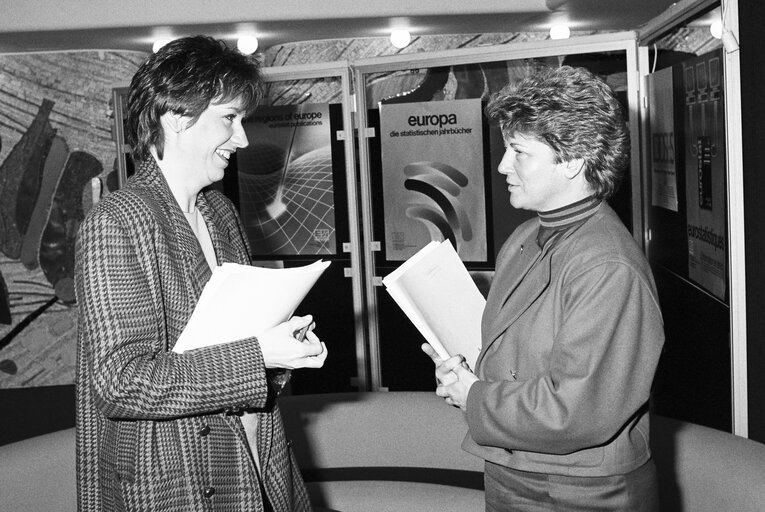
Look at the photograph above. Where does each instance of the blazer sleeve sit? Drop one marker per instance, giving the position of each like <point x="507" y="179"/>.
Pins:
<point x="121" y="317"/>
<point x="599" y="371"/>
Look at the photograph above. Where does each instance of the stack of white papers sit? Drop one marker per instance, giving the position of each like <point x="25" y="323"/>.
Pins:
<point x="436" y="292"/>
<point x="241" y="301"/>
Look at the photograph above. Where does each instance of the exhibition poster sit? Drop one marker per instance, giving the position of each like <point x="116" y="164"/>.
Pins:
<point x="433" y="177"/>
<point x="286" y="192"/>
<point x="705" y="172"/>
<point x="662" y="141"/>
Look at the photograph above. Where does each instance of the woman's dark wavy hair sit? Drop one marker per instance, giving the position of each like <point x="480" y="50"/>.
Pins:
<point x="576" y="114"/>
<point x="185" y="76"/>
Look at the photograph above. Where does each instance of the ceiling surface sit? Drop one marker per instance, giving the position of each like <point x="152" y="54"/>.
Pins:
<point x="61" y="25"/>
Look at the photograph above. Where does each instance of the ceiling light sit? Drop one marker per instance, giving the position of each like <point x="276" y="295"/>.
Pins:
<point x="559" y="32"/>
<point x="400" y="38"/>
<point x="159" y="43"/>
<point x="247" y="44"/>
<point x="716" y="29"/>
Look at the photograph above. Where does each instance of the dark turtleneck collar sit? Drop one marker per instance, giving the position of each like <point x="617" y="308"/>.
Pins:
<point x="560" y="220"/>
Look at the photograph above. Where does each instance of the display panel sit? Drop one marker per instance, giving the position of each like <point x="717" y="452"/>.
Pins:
<point x="433" y="177"/>
<point x="418" y="178"/>
<point x="286" y="188"/>
<point x="687" y="236"/>
<point x="704" y="124"/>
<point x="290" y="185"/>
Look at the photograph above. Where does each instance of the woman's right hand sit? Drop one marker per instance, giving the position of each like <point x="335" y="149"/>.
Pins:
<point x="454" y="378"/>
<point x="281" y="349"/>
<point x="444" y="375"/>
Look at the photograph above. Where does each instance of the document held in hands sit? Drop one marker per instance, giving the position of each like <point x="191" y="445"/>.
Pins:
<point x="241" y="301"/>
<point x="436" y="292"/>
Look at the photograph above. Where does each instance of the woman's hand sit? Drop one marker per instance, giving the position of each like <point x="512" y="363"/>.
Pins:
<point x="453" y="376"/>
<point x="282" y="350"/>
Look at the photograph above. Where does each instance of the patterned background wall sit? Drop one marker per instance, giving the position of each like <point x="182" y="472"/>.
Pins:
<point x="353" y="49"/>
<point x="55" y="137"/>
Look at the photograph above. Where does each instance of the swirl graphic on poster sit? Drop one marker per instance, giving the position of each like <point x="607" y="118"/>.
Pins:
<point x="442" y="184"/>
<point x="433" y="177"/>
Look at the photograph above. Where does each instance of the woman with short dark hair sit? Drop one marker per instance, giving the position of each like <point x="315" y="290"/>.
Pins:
<point x="159" y="430"/>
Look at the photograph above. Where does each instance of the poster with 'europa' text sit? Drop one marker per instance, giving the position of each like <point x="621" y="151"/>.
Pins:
<point x="433" y="177"/>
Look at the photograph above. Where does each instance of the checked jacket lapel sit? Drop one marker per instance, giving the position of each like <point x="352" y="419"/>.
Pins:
<point x="184" y="259"/>
<point x="181" y="255"/>
<point x="230" y="247"/>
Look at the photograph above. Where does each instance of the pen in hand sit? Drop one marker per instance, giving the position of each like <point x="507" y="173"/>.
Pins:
<point x="300" y="333"/>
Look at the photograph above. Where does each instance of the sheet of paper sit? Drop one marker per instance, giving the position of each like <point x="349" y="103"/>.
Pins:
<point x="241" y="301"/>
<point x="436" y="292"/>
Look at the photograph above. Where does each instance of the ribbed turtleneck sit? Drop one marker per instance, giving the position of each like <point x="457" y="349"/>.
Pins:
<point x="555" y="222"/>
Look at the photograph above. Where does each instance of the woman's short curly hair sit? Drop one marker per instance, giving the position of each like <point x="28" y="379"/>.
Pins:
<point x="185" y="76"/>
<point x="576" y="114"/>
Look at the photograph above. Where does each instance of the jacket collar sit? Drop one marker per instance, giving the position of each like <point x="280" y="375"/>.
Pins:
<point x="523" y="273"/>
<point x="149" y="177"/>
<point x="504" y="305"/>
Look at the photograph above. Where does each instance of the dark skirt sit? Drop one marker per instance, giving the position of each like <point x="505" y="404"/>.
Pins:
<point x="510" y="490"/>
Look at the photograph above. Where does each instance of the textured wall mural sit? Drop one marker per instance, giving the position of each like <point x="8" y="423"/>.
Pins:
<point x="386" y="86"/>
<point x="56" y="157"/>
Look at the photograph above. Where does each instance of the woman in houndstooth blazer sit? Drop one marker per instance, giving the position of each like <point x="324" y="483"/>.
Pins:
<point x="158" y="430"/>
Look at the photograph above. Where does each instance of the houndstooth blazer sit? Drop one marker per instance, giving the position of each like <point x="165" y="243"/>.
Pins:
<point x="158" y="430"/>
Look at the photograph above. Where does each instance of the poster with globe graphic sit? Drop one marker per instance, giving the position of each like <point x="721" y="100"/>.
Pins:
<point x="433" y="177"/>
<point x="286" y="193"/>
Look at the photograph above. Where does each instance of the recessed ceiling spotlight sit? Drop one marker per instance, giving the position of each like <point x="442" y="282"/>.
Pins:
<point x="159" y="43"/>
<point x="559" y="32"/>
<point x="247" y="44"/>
<point x="716" y="29"/>
<point x="400" y="38"/>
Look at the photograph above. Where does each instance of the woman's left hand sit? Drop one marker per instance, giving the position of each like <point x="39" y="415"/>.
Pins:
<point x="454" y="378"/>
<point x="281" y="349"/>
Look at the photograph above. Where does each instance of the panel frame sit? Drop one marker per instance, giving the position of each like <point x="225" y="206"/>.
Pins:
<point x="680" y="13"/>
<point x="624" y="41"/>
<point x="342" y="71"/>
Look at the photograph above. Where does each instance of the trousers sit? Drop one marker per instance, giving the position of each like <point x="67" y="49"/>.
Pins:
<point x="511" y="490"/>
